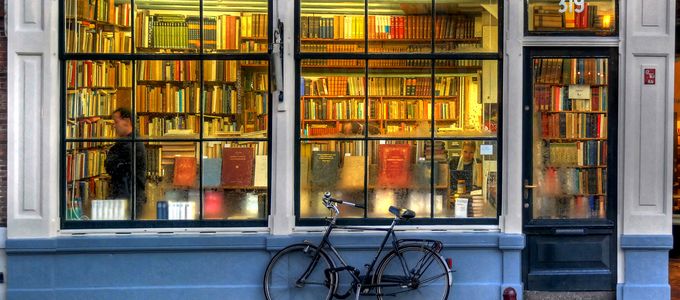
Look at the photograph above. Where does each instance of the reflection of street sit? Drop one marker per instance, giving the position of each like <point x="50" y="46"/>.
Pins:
<point x="674" y="280"/>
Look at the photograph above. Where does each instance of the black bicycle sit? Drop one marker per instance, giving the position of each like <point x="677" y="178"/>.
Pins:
<point x="413" y="269"/>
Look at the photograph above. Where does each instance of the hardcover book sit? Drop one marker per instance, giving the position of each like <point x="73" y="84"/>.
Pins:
<point x="185" y="172"/>
<point x="324" y="169"/>
<point x="212" y="172"/>
<point x="237" y="167"/>
<point x="352" y="173"/>
<point x="394" y="165"/>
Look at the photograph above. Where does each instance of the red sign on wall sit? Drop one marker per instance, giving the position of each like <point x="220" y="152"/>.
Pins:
<point x="650" y="76"/>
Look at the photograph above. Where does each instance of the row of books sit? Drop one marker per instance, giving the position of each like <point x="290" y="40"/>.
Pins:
<point x="93" y="127"/>
<point x="168" y="70"/>
<point x="98" y="74"/>
<point x="417" y="110"/>
<point x="387" y="27"/>
<point x="590" y="71"/>
<point x="110" y="209"/>
<point x="391" y="63"/>
<point x="578" y="154"/>
<point x="223" y="32"/>
<point x="213" y="127"/>
<point x="567" y="182"/>
<point x="255" y="81"/>
<point x="87" y="37"/>
<point x="399" y="86"/>
<point x="256" y="103"/>
<point x="90" y="103"/>
<point x="548" y="17"/>
<point x="573" y="126"/>
<point x="214" y="149"/>
<point x="84" y="164"/>
<point x="327" y="86"/>
<point x="558" y="98"/>
<point x="157" y="126"/>
<point x="176" y="210"/>
<point x="105" y="11"/>
<point x="168" y="98"/>
<point x="220" y="70"/>
<point x="384" y="86"/>
<point x="222" y="99"/>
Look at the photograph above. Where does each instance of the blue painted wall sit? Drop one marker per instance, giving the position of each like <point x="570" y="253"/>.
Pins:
<point x="645" y="267"/>
<point x="225" y="267"/>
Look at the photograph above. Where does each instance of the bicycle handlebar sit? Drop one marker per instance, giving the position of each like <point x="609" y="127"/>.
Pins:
<point x="327" y="197"/>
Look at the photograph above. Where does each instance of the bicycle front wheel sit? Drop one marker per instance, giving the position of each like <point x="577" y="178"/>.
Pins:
<point x="297" y="272"/>
<point x="413" y="272"/>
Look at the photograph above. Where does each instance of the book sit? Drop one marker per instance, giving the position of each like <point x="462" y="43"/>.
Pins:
<point x="237" y="166"/>
<point x="324" y="169"/>
<point x="261" y="167"/>
<point x="184" y="172"/>
<point x="212" y="172"/>
<point x="213" y="205"/>
<point x="394" y="165"/>
<point x="352" y="172"/>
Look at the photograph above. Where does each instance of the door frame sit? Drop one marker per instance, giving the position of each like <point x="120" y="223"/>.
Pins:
<point x="596" y="226"/>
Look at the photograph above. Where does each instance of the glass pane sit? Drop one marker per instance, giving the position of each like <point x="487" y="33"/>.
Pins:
<point x="400" y="93"/>
<point x="469" y="172"/>
<point x="100" y="181"/>
<point x="172" y="185"/>
<point x="572" y="16"/>
<point x="395" y="26"/>
<point x="466" y="102"/>
<point x="236" y="98"/>
<point x="167" y="98"/>
<point x="332" y="26"/>
<point x="570" y="98"/>
<point x="466" y="27"/>
<point x="235" y="180"/>
<point x="332" y="99"/>
<point x="167" y="27"/>
<point x="331" y="166"/>
<point x="235" y="27"/>
<point x="94" y="90"/>
<point x="102" y="26"/>
<point x="395" y="178"/>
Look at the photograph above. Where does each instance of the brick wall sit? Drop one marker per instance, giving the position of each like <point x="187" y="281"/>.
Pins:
<point x="3" y="116"/>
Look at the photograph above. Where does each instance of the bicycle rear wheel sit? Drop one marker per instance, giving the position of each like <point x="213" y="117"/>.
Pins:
<point x="423" y="274"/>
<point x="285" y="276"/>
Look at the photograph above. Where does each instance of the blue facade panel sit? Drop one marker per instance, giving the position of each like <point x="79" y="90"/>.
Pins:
<point x="224" y="267"/>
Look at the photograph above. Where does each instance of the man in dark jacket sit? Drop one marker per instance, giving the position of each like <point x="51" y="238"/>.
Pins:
<point x="118" y="162"/>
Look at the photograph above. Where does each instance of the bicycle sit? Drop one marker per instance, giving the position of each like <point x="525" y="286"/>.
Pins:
<point x="413" y="268"/>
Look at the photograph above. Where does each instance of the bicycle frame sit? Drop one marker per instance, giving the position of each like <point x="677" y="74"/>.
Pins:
<point x="366" y="282"/>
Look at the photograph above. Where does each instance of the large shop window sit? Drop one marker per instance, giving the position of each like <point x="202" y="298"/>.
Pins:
<point x="399" y="104"/>
<point x="165" y="113"/>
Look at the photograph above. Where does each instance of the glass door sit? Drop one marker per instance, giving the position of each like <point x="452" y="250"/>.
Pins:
<point x="569" y="216"/>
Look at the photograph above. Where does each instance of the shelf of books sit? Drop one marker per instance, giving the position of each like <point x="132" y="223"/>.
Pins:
<point x="169" y="98"/>
<point x="595" y="17"/>
<point x="398" y="27"/>
<point x="105" y="26"/>
<point x="399" y="173"/>
<point x="571" y="100"/>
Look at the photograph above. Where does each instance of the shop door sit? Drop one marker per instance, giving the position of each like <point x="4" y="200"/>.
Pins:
<point x="569" y="183"/>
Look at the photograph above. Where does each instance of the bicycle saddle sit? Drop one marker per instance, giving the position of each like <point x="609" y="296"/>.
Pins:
<point x="402" y="213"/>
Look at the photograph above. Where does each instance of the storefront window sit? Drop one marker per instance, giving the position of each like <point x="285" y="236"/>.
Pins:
<point x="177" y="139"/>
<point x="406" y="114"/>
<point x="572" y="17"/>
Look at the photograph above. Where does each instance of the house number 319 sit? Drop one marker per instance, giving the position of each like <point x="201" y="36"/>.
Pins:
<point x="568" y="5"/>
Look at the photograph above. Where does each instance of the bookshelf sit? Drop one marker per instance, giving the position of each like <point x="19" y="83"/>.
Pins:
<point x="97" y="26"/>
<point x="571" y="102"/>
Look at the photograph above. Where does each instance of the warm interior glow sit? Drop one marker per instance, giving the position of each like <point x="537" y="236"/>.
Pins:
<point x="606" y="21"/>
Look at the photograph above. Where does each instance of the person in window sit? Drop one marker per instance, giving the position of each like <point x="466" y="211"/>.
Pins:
<point x="357" y="128"/>
<point x="118" y="162"/>
<point x="467" y="167"/>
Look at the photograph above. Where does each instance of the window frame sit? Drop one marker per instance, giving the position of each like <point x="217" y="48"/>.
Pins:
<point x="366" y="55"/>
<point x="134" y="57"/>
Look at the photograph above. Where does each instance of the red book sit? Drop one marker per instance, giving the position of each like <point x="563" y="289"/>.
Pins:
<point x="214" y="205"/>
<point x="394" y="161"/>
<point x="237" y="167"/>
<point x="185" y="171"/>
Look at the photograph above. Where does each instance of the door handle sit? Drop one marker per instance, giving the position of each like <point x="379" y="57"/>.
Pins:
<point x="528" y="187"/>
